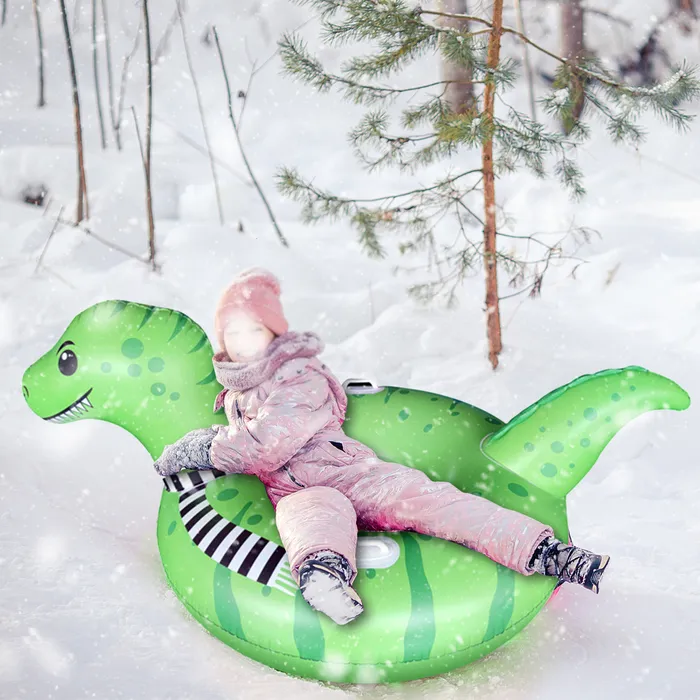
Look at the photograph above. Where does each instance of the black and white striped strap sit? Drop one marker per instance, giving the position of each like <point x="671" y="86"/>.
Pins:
<point x="187" y="480"/>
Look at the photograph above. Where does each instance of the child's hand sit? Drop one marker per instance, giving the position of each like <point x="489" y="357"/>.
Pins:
<point x="190" y="452"/>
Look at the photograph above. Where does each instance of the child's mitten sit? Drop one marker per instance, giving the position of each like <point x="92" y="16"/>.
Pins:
<point x="191" y="451"/>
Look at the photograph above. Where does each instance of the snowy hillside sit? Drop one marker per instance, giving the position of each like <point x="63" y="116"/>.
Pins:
<point x="85" y="610"/>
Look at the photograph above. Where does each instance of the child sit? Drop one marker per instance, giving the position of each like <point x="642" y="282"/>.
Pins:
<point x="285" y="410"/>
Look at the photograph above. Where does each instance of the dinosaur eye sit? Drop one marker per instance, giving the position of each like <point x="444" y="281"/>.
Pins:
<point x="67" y="362"/>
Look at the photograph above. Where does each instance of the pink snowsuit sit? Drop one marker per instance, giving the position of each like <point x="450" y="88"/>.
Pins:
<point x="285" y="413"/>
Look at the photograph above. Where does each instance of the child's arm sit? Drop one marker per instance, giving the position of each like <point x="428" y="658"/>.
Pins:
<point x="295" y="410"/>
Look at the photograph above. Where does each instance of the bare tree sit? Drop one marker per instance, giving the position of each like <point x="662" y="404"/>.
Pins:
<point x="117" y="118"/>
<point x="96" y="73"/>
<point x="110" y="78"/>
<point x="201" y="112"/>
<point x="82" y="184"/>
<point x="459" y="91"/>
<point x="573" y="49"/>
<point x="149" y="124"/>
<point x="40" y="51"/>
<point x="493" y="313"/>
<point x="237" y="132"/>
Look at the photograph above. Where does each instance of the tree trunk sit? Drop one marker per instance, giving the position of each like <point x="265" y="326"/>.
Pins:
<point x="3" y="19"/>
<point x="110" y="77"/>
<point x="149" y="123"/>
<point x="573" y="49"/>
<point x="459" y="95"/>
<point x="685" y="11"/>
<point x="82" y="183"/>
<point x="493" y="315"/>
<point x="40" y="49"/>
<point x="96" y="73"/>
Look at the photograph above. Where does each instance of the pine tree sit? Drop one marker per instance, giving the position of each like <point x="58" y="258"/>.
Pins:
<point x="432" y="132"/>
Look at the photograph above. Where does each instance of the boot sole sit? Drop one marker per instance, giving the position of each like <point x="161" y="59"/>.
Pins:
<point x="325" y="593"/>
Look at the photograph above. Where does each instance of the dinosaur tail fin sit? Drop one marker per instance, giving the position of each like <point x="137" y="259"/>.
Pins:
<point x="554" y="442"/>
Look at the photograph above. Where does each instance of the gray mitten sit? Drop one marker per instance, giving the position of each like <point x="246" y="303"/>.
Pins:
<point x="191" y="451"/>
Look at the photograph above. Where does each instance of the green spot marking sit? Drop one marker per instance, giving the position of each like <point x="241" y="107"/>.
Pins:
<point x="428" y="428"/>
<point x="254" y="519"/>
<point x="517" y="489"/>
<point x="453" y="404"/>
<point x="590" y="414"/>
<point x="227" y="494"/>
<point x="403" y="414"/>
<point x="420" y="632"/>
<point x="569" y="423"/>
<point x="633" y="388"/>
<point x="106" y="367"/>
<point x="616" y="397"/>
<point x="529" y="447"/>
<point x="158" y="389"/>
<point x="156" y="364"/>
<point x="404" y="391"/>
<point x="132" y="347"/>
<point x="171" y="527"/>
<point x="174" y="396"/>
<point x="225" y="602"/>
<point x="502" y="603"/>
<point x="433" y="398"/>
<point x="134" y="370"/>
<point x="389" y="393"/>
<point x="370" y="573"/>
<point x="542" y="428"/>
<point x="585" y="442"/>
<point x="548" y="469"/>
<point x="181" y="323"/>
<point x="571" y="465"/>
<point x="266" y="590"/>
<point x="557" y="447"/>
<point x="308" y="635"/>
<point x="454" y="413"/>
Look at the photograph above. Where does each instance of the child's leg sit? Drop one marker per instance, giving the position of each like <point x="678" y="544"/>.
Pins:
<point x="315" y="519"/>
<point x="389" y="496"/>
<point x="318" y="527"/>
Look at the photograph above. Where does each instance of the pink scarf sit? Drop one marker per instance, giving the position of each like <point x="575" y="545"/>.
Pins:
<point x="240" y="376"/>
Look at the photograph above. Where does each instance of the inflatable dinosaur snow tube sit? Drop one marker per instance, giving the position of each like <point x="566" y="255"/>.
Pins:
<point x="430" y="605"/>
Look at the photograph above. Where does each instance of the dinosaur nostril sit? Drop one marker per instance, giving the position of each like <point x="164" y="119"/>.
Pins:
<point x="25" y="391"/>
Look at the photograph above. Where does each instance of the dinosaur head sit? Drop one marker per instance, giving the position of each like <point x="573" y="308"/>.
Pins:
<point x="72" y="380"/>
<point x="145" y="368"/>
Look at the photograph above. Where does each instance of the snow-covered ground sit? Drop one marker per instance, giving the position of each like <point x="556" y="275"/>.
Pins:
<point x="85" y="610"/>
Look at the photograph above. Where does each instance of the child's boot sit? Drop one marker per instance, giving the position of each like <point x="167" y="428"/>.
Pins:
<point x="569" y="563"/>
<point x="324" y="581"/>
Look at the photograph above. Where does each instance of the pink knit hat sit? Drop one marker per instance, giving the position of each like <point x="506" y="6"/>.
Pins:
<point x="257" y="292"/>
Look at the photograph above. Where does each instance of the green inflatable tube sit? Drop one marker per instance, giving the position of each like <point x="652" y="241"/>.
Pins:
<point x="430" y="605"/>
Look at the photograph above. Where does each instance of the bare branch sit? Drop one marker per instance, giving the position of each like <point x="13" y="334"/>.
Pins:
<point x="201" y="113"/>
<point x="240" y="145"/>
<point x="96" y="73"/>
<point x="48" y="240"/>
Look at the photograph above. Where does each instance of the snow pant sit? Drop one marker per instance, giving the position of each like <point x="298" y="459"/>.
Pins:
<point x="332" y="500"/>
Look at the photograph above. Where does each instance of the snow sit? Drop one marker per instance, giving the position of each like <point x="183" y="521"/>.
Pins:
<point x="85" y="610"/>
